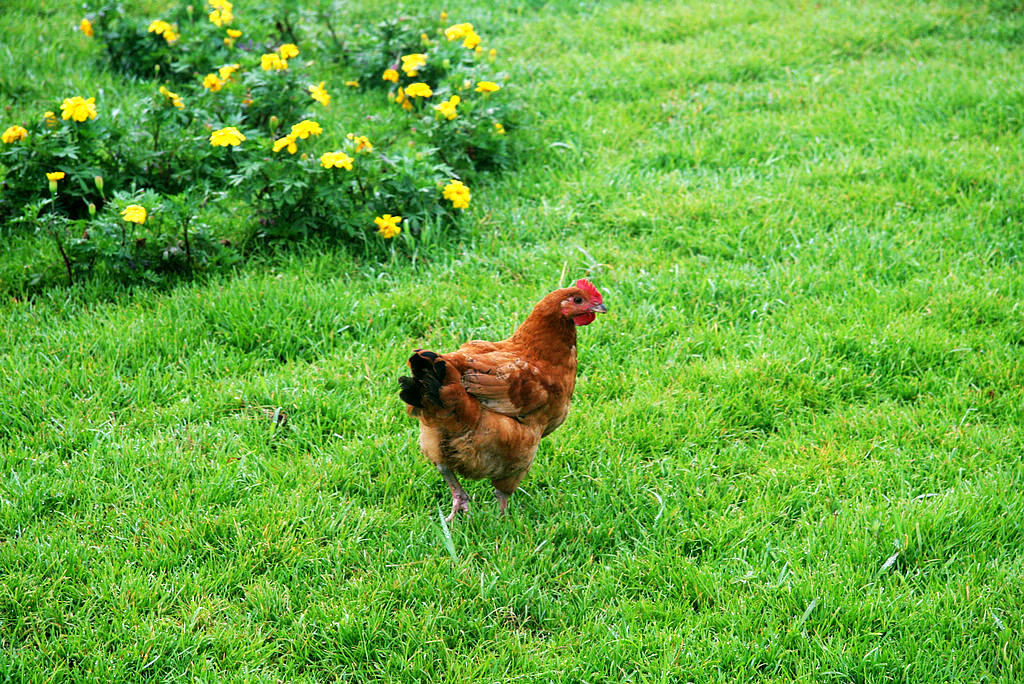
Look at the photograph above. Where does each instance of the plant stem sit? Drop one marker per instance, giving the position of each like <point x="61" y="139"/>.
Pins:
<point x="63" y="255"/>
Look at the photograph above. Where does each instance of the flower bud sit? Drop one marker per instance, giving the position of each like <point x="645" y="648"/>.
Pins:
<point x="274" y="123"/>
<point x="92" y="210"/>
<point x="447" y="63"/>
<point x="53" y="186"/>
<point x="98" y="180"/>
<point x="156" y="67"/>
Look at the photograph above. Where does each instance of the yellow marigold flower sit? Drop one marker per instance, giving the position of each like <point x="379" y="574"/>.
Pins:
<point x="492" y="54"/>
<point x="352" y="84"/>
<point x="53" y="177"/>
<point x="401" y="99"/>
<point x="14" y="134"/>
<point x="78" y="108"/>
<point x="444" y="16"/>
<point x="387" y="225"/>
<point x="226" y="137"/>
<point x="134" y="213"/>
<point x="224" y="73"/>
<point x="50" y="118"/>
<point x="498" y="128"/>
<point x="390" y="75"/>
<point x="86" y="28"/>
<point x="306" y="128"/>
<point x="319" y="94"/>
<point x="287" y="141"/>
<point x="162" y="28"/>
<point x="411" y="63"/>
<point x="234" y="33"/>
<point x="487" y="87"/>
<point x="289" y="50"/>
<point x="362" y="143"/>
<point x="472" y="40"/>
<point x="173" y="97"/>
<point x="457" y="31"/>
<point x="212" y="83"/>
<point x="273" y="61"/>
<point x="418" y="90"/>
<point x="448" y="107"/>
<point x="337" y="160"/>
<point x="457" y="193"/>
<point x="222" y="16"/>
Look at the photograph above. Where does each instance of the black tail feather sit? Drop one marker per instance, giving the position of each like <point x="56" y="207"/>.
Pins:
<point x="428" y="373"/>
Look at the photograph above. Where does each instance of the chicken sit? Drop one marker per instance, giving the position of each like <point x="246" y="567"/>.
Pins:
<point x="484" y="408"/>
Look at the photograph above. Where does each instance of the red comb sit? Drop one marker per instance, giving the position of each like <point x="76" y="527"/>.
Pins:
<point x="589" y="288"/>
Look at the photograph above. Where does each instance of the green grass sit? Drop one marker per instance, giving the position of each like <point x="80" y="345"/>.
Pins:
<point x="795" y="447"/>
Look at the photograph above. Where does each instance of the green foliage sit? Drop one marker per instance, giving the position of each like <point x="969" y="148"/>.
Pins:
<point x="83" y="150"/>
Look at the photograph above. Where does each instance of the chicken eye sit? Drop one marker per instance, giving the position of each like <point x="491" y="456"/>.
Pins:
<point x="577" y="300"/>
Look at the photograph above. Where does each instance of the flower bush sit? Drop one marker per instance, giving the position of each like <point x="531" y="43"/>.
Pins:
<point x="127" y="190"/>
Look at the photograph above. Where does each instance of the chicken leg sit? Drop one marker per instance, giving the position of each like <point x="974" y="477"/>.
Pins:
<point x="460" y="500"/>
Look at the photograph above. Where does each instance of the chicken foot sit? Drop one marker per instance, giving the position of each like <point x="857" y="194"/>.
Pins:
<point x="502" y="498"/>
<point x="460" y="500"/>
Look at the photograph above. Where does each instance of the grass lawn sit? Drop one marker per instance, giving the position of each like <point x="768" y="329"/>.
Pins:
<point x="795" y="447"/>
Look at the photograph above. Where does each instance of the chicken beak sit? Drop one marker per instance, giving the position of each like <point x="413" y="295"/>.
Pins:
<point x="598" y="308"/>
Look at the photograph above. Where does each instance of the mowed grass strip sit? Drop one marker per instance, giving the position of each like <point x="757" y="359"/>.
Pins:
<point x="795" y="446"/>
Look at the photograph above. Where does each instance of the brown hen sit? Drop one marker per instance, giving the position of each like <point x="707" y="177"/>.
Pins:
<point x="484" y="408"/>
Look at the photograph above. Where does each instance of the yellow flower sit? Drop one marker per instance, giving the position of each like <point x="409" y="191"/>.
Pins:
<point x="78" y="108"/>
<point x="444" y="16"/>
<point x="223" y="12"/>
<point x="362" y="143"/>
<point x="162" y="28"/>
<point x="352" y="84"/>
<point x="272" y="60"/>
<point x="226" y="137"/>
<point x="492" y="54"/>
<point x="457" y="31"/>
<point x="390" y="75"/>
<point x="53" y="177"/>
<point x="224" y="73"/>
<point x="306" y="128"/>
<point x="472" y="40"/>
<point x="287" y="141"/>
<point x="14" y="134"/>
<point x="86" y="28"/>
<point x="50" y="118"/>
<point x="134" y="213"/>
<point x="498" y="128"/>
<point x="337" y="160"/>
<point x="448" y="107"/>
<point x="289" y="50"/>
<point x="418" y="90"/>
<point x="487" y="87"/>
<point x="319" y="94"/>
<point x="411" y="63"/>
<point x="387" y="225"/>
<point x="173" y="97"/>
<point x="212" y="83"/>
<point x="234" y="33"/>
<point x="457" y="193"/>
